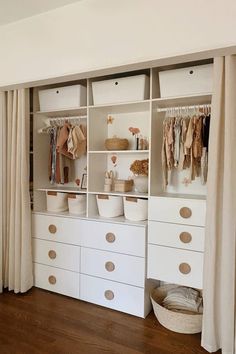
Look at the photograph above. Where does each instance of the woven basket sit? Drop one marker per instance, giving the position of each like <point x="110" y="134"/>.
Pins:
<point x="187" y="323"/>
<point x="123" y="185"/>
<point x="116" y="144"/>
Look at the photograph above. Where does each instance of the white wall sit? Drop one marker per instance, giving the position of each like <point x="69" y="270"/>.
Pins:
<point x="93" y="34"/>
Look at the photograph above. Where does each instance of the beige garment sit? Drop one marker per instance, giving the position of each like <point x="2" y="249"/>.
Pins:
<point x="15" y="199"/>
<point x="79" y="145"/>
<point x="220" y="235"/>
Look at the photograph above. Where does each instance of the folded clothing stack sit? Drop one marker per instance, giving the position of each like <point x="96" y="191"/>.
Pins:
<point x="183" y="299"/>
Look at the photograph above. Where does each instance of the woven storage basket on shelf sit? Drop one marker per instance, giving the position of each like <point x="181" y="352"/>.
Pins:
<point x="123" y="185"/>
<point x="187" y="323"/>
<point x="116" y="144"/>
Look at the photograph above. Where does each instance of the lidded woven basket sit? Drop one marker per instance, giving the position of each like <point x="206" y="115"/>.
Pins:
<point x="116" y="144"/>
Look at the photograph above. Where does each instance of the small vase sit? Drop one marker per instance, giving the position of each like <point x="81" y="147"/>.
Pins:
<point x="141" y="184"/>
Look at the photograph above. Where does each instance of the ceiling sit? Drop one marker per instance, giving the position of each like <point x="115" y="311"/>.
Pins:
<point x="14" y="10"/>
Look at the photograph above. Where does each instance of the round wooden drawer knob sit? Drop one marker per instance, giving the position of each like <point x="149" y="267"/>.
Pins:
<point x="52" y="229"/>
<point x="110" y="237"/>
<point x="185" y="237"/>
<point x="109" y="295"/>
<point x="185" y="212"/>
<point x="110" y="266"/>
<point x="184" y="268"/>
<point x="52" y="254"/>
<point x="52" y="280"/>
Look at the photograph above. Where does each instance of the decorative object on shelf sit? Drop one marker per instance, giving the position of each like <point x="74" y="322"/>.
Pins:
<point x="123" y="185"/>
<point x="135" y="209"/>
<point x="110" y="206"/>
<point x="113" y="160"/>
<point x="135" y="132"/>
<point x="84" y="181"/>
<point x="116" y="143"/>
<point x="77" y="181"/>
<point x="110" y="120"/>
<point x="140" y="171"/>
<point x="108" y="183"/>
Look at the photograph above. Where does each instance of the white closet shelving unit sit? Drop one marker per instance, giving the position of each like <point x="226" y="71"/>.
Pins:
<point x="108" y="261"/>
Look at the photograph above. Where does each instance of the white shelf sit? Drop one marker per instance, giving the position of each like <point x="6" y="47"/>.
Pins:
<point x="123" y="107"/>
<point x="63" y="189"/>
<point x="125" y="152"/>
<point x="75" y="111"/>
<point x="122" y="194"/>
<point x="65" y="214"/>
<point x="180" y="195"/>
<point x="118" y="220"/>
<point x="182" y="100"/>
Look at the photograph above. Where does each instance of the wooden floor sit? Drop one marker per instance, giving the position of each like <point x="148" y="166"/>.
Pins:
<point x="42" y="322"/>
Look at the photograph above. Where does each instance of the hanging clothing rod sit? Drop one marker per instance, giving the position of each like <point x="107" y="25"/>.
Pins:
<point x="67" y="118"/>
<point x="181" y="108"/>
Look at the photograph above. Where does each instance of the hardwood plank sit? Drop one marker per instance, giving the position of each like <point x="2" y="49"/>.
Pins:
<point x="43" y="322"/>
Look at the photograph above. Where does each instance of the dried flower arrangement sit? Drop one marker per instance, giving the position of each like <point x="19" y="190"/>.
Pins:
<point x="139" y="167"/>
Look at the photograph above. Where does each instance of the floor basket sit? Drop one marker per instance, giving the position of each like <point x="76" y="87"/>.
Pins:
<point x="187" y="323"/>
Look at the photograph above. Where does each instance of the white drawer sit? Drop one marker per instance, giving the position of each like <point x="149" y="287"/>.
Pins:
<point x="56" y="254"/>
<point x="125" y="298"/>
<point x="175" y="266"/>
<point x="132" y="88"/>
<point x="175" y="235"/>
<point x="178" y="210"/>
<point x="186" y="81"/>
<point x="56" y="280"/>
<point x="113" y="266"/>
<point x="54" y="228"/>
<point x="62" y="97"/>
<point x="115" y="237"/>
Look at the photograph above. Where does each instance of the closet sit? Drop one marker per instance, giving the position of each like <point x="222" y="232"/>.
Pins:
<point x="114" y="261"/>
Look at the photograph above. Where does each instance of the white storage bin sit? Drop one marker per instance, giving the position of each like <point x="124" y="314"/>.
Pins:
<point x="125" y="89"/>
<point x="186" y="81"/>
<point x="56" y="201"/>
<point x="62" y="97"/>
<point x="77" y="203"/>
<point x="109" y="206"/>
<point x="135" y="209"/>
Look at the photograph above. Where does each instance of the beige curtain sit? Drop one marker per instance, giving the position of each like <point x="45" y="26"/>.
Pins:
<point x="220" y="251"/>
<point x="15" y="232"/>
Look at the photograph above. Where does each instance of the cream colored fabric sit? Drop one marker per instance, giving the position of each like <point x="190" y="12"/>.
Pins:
<point x="219" y="261"/>
<point x="15" y="201"/>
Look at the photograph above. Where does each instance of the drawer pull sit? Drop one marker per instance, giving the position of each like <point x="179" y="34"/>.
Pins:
<point x="52" y="254"/>
<point x="185" y="212"/>
<point x="110" y="237"/>
<point x="110" y="266"/>
<point x="185" y="237"/>
<point x="109" y="295"/>
<point x="184" y="268"/>
<point x="52" y="229"/>
<point x="52" y="280"/>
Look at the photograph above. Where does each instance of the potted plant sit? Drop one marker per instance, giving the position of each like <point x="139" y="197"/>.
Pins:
<point x="140" y="171"/>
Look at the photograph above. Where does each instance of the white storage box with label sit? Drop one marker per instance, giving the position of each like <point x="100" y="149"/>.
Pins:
<point x="62" y="98"/>
<point x="186" y="81"/>
<point x="110" y="206"/>
<point x="125" y="89"/>
<point x="135" y="209"/>
<point x="77" y="203"/>
<point x="56" y="201"/>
